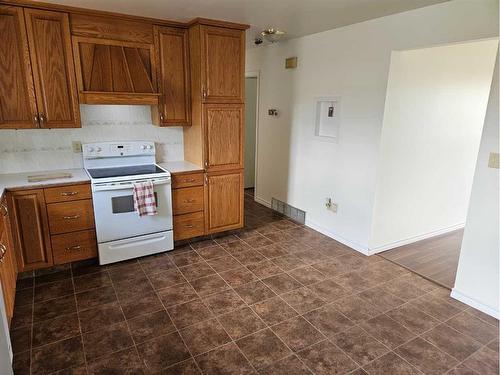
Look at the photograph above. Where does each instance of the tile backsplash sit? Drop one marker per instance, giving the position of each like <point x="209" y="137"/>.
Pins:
<point x="46" y="149"/>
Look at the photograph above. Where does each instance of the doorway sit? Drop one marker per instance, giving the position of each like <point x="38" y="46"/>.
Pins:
<point x="251" y="92"/>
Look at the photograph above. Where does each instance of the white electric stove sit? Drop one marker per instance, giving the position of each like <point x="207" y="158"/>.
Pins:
<point x="121" y="234"/>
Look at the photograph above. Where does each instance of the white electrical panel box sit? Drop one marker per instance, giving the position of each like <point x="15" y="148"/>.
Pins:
<point x="327" y="122"/>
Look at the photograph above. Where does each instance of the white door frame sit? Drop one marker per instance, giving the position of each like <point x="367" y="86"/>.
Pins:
<point x="256" y="74"/>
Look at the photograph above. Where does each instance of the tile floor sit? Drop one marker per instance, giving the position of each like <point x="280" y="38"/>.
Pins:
<point x="275" y="298"/>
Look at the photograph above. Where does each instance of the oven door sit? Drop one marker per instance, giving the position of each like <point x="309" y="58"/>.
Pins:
<point x="114" y="212"/>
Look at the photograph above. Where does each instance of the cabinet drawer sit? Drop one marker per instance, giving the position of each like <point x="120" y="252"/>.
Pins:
<point x="67" y="193"/>
<point x="189" y="226"/>
<point x="187" y="180"/>
<point x="187" y="200"/>
<point x="70" y="216"/>
<point x="70" y="247"/>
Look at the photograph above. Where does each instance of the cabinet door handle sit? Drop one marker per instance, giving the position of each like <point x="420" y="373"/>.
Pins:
<point x="68" y="193"/>
<point x="189" y="200"/>
<point x="162" y="117"/>
<point x="42" y="118"/>
<point x="188" y="180"/>
<point x="204" y="93"/>
<point x="73" y="217"/>
<point x="71" y="248"/>
<point x="3" y="250"/>
<point x="36" y="120"/>
<point x="3" y="209"/>
<point x="189" y="226"/>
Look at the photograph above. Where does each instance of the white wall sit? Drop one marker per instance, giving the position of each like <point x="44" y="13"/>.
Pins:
<point x="433" y="120"/>
<point x="353" y="63"/>
<point x="36" y="149"/>
<point x="250" y="117"/>
<point x="477" y="281"/>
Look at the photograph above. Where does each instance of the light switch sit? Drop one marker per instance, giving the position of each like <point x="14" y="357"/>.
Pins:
<point x="494" y="161"/>
<point x="77" y="147"/>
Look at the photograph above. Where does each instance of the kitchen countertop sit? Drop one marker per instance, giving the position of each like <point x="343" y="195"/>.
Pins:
<point x="19" y="181"/>
<point x="180" y="166"/>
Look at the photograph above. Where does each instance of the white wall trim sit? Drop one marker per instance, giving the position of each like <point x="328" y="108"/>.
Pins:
<point x="262" y="201"/>
<point x="462" y="297"/>
<point x="355" y="246"/>
<point x="420" y="237"/>
<point x="256" y="74"/>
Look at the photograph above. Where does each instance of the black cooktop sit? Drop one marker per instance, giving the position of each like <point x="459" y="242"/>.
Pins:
<point x="132" y="170"/>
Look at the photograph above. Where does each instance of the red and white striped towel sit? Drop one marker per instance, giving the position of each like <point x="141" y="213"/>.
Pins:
<point x="144" y="198"/>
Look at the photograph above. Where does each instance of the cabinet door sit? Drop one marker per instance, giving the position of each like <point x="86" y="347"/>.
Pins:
<point x="224" y="201"/>
<point x="53" y="68"/>
<point x="223" y="136"/>
<point x="8" y="268"/>
<point x="223" y="64"/>
<point x="30" y="229"/>
<point x="173" y="76"/>
<point x="17" y="93"/>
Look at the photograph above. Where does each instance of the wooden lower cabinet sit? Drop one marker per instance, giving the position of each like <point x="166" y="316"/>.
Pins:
<point x="224" y="201"/>
<point x="8" y="267"/>
<point x="71" y="247"/>
<point x="189" y="225"/>
<point x="30" y="229"/>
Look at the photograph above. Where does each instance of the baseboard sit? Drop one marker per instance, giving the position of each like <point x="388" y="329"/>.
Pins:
<point x="353" y="245"/>
<point x="262" y="201"/>
<point x="409" y="240"/>
<point x="472" y="302"/>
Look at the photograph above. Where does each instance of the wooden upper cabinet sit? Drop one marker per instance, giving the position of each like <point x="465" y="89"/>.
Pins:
<point x="223" y="64"/>
<point x="224" y="197"/>
<point x="172" y="62"/>
<point x="28" y="215"/>
<point x="53" y="68"/>
<point x="17" y="93"/>
<point x="223" y="136"/>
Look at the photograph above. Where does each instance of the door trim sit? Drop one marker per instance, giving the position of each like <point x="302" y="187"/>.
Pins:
<point x="256" y="74"/>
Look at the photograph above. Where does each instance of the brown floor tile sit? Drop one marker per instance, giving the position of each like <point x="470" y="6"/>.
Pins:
<point x="387" y="331"/>
<point x="53" y="290"/>
<point x="236" y="247"/>
<point x="352" y="282"/>
<point x="328" y="290"/>
<point x="95" y="297"/>
<point x="238" y="277"/>
<point x="273" y="310"/>
<point x="197" y="270"/>
<point x="254" y="292"/>
<point x="86" y="267"/>
<point x="391" y="363"/>
<point x="187" y="367"/>
<point x="287" y="366"/>
<point x="224" y="263"/>
<point x="435" y="307"/>
<point x="226" y="360"/>
<point x="272" y="251"/>
<point x="100" y="317"/>
<point x="474" y="327"/>
<point x="288" y="262"/>
<point x="148" y="326"/>
<point x="20" y="339"/>
<point x="312" y="256"/>
<point x="241" y="322"/>
<point x="426" y="357"/>
<point x="297" y="333"/>
<point x="123" y="362"/>
<point x="461" y="370"/>
<point x="177" y="294"/>
<point x="359" y="345"/>
<point x="281" y="283"/>
<point x="328" y="320"/>
<point x="248" y="257"/>
<point x="166" y="279"/>
<point x="484" y="317"/>
<point x="263" y="348"/>
<point x="303" y="300"/>
<point x="223" y="302"/>
<point x="132" y="288"/>
<point x="356" y="309"/>
<point x="204" y="336"/>
<point x="54" y="308"/>
<point x="106" y="340"/>
<point x="189" y="313"/>
<point x="211" y="252"/>
<point x="163" y="351"/>
<point x="402" y="288"/>
<point x="326" y="358"/>
<point x="25" y="283"/>
<point x="24" y="297"/>
<point x="494" y="345"/>
<point x="125" y="271"/>
<point x="202" y="244"/>
<point x="21" y="363"/>
<point x="226" y="238"/>
<point x="383" y="300"/>
<point x="57" y="356"/>
<point x="23" y="316"/>
<point x="53" y="276"/>
<point x="292" y="246"/>
<point x="264" y="269"/>
<point x="186" y="258"/>
<point x="307" y="275"/>
<point x="484" y="361"/>
<point x="209" y="284"/>
<point x="156" y="263"/>
<point x="62" y="327"/>
<point x="412" y="318"/>
<point x="138" y="306"/>
<point x="91" y="281"/>
<point x="257" y="241"/>
<point x="452" y="342"/>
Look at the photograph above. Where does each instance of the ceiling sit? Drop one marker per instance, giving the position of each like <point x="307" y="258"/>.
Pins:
<point x="296" y="17"/>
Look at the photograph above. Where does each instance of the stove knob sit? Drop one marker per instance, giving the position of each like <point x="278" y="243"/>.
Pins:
<point x="143" y="147"/>
<point x="90" y="149"/>
<point x="99" y="149"/>
<point x="150" y="147"/>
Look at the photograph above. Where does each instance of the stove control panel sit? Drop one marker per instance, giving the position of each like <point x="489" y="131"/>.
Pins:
<point x="118" y="149"/>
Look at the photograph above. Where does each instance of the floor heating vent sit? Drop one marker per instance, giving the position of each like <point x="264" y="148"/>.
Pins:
<point x="289" y="211"/>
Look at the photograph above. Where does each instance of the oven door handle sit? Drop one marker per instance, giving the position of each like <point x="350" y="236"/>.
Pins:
<point x="106" y="186"/>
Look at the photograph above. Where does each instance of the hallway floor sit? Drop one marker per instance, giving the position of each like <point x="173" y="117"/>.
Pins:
<point x="274" y="298"/>
<point x="435" y="258"/>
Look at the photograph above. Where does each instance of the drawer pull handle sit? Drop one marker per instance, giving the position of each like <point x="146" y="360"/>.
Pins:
<point x="74" y="217"/>
<point x="189" y="180"/>
<point x="68" y="193"/>
<point x="3" y="250"/>
<point x="70" y="248"/>
<point x="189" y="226"/>
<point x="189" y="200"/>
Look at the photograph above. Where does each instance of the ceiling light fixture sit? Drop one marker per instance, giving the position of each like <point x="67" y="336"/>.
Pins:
<point x="272" y="35"/>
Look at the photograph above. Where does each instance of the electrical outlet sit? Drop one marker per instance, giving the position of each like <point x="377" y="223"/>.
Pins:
<point x="77" y="147"/>
<point x="494" y="161"/>
<point x="334" y="207"/>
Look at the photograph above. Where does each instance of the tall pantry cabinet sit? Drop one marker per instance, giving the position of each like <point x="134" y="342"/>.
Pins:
<point x="215" y="138"/>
